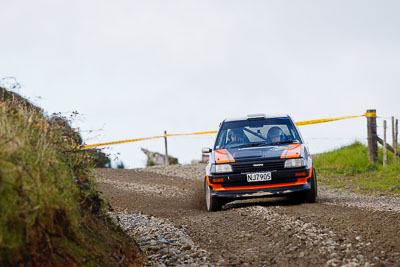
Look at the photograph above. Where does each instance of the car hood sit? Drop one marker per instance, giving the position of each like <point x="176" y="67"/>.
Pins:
<point x="257" y="153"/>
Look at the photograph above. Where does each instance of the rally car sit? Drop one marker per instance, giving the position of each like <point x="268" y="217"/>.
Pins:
<point x="258" y="156"/>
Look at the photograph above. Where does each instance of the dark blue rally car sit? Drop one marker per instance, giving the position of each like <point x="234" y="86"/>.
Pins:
<point x="258" y="156"/>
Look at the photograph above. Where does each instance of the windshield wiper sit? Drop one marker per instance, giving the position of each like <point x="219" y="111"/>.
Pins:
<point x="266" y="144"/>
<point x="251" y="145"/>
<point x="286" y="142"/>
<point x="259" y="144"/>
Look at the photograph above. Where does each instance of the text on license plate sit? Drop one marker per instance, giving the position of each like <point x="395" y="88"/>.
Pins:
<point x="259" y="176"/>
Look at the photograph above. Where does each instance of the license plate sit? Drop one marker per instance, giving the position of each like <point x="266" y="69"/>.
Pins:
<point x="259" y="177"/>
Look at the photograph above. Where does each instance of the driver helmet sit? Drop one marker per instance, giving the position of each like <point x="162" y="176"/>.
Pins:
<point x="275" y="134"/>
<point x="235" y="135"/>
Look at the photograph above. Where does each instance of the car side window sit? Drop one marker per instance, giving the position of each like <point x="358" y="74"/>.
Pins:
<point x="221" y="139"/>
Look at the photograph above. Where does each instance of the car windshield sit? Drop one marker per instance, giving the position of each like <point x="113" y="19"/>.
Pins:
<point x="253" y="133"/>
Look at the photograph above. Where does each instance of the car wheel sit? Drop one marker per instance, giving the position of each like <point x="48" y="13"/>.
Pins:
<point x="212" y="203"/>
<point x="310" y="196"/>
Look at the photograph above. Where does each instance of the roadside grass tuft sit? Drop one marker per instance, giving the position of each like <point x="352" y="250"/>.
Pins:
<point x="349" y="168"/>
<point x="50" y="210"/>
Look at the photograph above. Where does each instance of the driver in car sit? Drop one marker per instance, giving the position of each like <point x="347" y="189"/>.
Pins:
<point x="275" y="135"/>
<point x="235" y="137"/>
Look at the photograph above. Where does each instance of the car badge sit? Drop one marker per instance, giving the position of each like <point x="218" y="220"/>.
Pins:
<point x="258" y="165"/>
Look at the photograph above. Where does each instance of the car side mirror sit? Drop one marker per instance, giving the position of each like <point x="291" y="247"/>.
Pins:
<point x="206" y="150"/>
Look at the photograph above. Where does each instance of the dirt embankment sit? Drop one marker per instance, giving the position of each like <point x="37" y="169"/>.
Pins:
<point x="163" y="207"/>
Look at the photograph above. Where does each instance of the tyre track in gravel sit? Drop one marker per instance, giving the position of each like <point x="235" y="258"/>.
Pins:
<point x="340" y="230"/>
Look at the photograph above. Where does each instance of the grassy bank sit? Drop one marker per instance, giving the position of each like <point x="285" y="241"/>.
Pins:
<point x="50" y="210"/>
<point x="348" y="168"/>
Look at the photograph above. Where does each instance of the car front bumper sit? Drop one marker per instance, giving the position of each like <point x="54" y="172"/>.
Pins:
<point x="261" y="192"/>
<point x="282" y="183"/>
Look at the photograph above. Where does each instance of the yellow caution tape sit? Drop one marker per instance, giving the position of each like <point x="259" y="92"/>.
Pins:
<point x="119" y="142"/>
<point x="140" y="139"/>
<point x="210" y="132"/>
<point x="369" y="114"/>
<point x="213" y="132"/>
<point x="300" y="123"/>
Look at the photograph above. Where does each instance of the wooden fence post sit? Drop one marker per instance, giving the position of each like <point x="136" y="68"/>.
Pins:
<point x="372" y="137"/>
<point x="394" y="142"/>
<point x="384" y="145"/>
<point x="166" y="160"/>
<point x="396" y="134"/>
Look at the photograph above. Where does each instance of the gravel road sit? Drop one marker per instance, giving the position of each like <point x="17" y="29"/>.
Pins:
<point x="163" y="207"/>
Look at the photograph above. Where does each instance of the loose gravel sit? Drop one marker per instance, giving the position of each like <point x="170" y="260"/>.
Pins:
<point x="161" y="240"/>
<point x="161" y="190"/>
<point x="348" y="199"/>
<point x="191" y="171"/>
<point x="310" y="236"/>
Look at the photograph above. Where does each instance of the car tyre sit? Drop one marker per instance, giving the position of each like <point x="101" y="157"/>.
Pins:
<point x="212" y="203"/>
<point x="310" y="196"/>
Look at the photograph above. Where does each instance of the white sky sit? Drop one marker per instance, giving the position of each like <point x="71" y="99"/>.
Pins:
<point x="137" y="68"/>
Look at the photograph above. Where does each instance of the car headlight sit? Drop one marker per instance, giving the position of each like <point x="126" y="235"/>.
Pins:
<point x="221" y="168"/>
<point x="295" y="163"/>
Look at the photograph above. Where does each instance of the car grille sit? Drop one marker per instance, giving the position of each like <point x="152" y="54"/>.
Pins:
<point x="269" y="165"/>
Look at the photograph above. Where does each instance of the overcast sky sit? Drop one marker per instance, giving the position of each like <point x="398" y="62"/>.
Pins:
<point x="136" y="68"/>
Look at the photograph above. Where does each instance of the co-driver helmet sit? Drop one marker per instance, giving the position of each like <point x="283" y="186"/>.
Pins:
<point x="275" y="132"/>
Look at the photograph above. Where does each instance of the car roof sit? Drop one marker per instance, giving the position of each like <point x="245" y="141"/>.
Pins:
<point x="257" y="116"/>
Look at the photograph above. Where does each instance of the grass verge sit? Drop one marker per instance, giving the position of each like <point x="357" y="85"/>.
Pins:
<point x="348" y="168"/>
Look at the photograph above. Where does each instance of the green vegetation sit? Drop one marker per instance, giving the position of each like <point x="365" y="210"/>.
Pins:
<point x="172" y="160"/>
<point x="149" y="162"/>
<point x="100" y="159"/>
<point x="348" y="168"/>
<point x="50" y="210"/>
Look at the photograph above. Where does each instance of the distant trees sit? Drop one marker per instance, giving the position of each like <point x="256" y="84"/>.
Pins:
<point x="100" y="159"/>
<point x="120" y="165"/>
